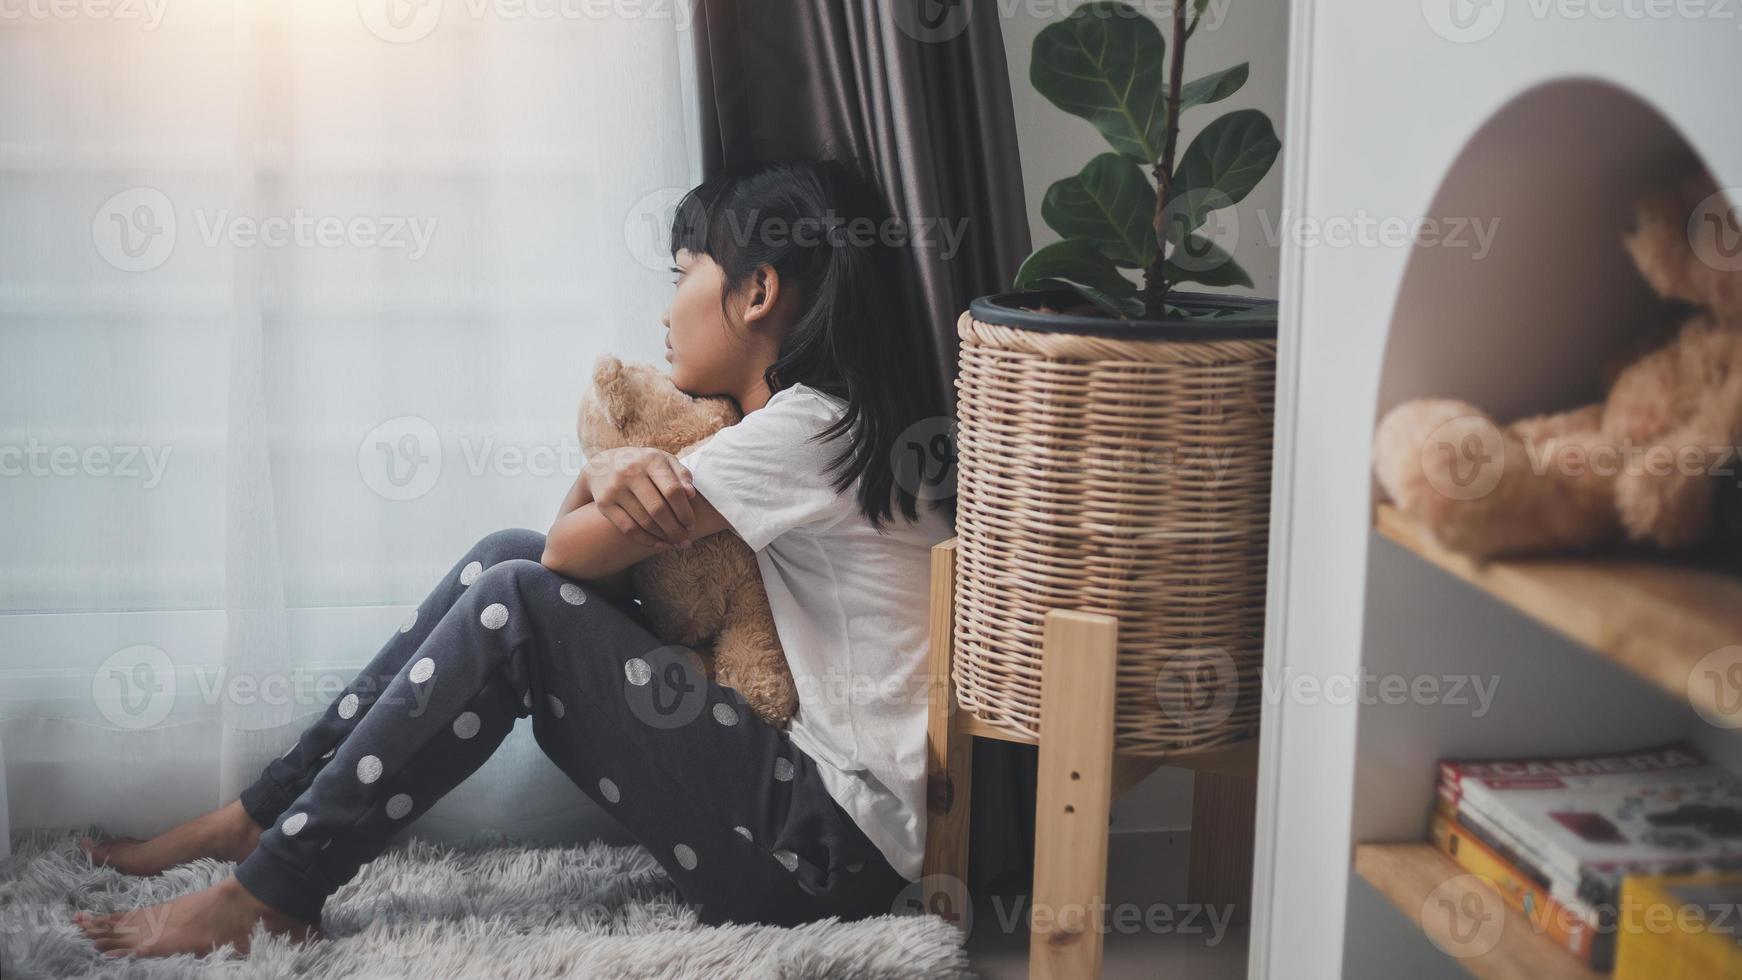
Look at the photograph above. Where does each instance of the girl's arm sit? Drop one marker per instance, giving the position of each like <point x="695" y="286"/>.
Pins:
<point x="627" y="505"/>
<point x="583" y="544"/>
<point x="577" y="495"/>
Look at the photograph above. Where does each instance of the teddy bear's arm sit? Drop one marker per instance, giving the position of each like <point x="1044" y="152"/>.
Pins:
<point x="1488" y="491"/>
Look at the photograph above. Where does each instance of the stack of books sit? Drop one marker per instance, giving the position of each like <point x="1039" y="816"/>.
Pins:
<point x="1558" y="837"/>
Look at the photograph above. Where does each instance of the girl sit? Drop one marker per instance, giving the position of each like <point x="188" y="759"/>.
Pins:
<point x="784" y="303"/>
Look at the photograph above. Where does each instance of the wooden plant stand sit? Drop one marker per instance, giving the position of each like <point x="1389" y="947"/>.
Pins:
<point x="1080" y="775"/>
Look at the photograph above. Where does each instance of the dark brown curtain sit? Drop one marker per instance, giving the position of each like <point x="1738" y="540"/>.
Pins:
<point x="918" y="92"/>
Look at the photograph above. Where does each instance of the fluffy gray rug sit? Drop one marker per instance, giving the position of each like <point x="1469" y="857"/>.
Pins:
<point x="487" y="908"/>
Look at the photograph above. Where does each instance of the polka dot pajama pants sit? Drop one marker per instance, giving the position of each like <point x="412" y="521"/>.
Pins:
<point x="736" y="814"/>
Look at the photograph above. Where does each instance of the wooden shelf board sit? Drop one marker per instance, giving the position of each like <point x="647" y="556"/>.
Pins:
<point x="1427" y="886"/>
<point x="1655" y="618"/>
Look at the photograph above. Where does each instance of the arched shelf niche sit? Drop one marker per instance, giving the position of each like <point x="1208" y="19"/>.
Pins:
<point x="1525" y="327"/>
<point x="1528" y="323"/>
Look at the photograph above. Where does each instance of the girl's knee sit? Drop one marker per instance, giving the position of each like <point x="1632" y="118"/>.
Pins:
<point x="527" y="584"/>
<point x="509" y="544"/>
<point x="508" y="575"/>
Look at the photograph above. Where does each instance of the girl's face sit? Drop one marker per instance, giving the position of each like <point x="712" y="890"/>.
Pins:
<point x="708" y="354"/>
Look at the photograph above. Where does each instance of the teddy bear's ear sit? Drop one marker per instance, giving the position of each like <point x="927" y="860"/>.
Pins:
<point x="607" y="367"/>
<point x="1714" y="224"/>
<point x="1680" y="241"/>
<point x="611" y="388"/>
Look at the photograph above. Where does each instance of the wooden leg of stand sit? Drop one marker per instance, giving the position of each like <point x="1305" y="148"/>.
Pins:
<point x="949" y="757"/>
<point x="1224" y="817"/>
<point x="1075" y="795"/>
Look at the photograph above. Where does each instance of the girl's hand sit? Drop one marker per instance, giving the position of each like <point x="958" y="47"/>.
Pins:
<point x="645" y="493"/>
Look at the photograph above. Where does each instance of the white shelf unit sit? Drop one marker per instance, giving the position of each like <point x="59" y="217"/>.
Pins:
<point x="1551" y="123"/>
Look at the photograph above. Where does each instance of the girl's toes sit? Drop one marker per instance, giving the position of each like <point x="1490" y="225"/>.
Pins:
<point x="101" y="852"/>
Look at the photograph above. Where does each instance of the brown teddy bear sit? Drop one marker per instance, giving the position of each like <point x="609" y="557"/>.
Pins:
<point x="1645" y="466"/>
<point x="708" y="598"/>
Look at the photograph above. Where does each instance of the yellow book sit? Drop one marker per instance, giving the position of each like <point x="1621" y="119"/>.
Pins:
<point x="1680" y="927"/>
<point x="1568" y="928"/>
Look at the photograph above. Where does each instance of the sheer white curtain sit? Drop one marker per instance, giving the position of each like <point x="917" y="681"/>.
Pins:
<point x="296" y="302"/>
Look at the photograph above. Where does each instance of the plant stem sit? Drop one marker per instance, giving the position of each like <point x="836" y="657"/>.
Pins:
<point x="1155" y="284"/>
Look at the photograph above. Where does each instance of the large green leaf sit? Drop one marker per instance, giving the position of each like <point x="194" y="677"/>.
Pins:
<point x="1074" y="260"/>
<point x="1111" y="203"/>
<point x="1076" y="264"/>
<point x="1213" y="87"/>
<point x="1221" y="167"/>
<point x="1104" y="63"/>
<point x="1203" y="261"/>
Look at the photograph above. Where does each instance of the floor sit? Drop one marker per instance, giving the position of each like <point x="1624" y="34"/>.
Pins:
<point x="1152" y="934"/>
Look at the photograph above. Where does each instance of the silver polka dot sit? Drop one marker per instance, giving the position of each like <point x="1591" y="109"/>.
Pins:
<point x="725" y="714"/>
<point x="368" y="769"/>
<point x="293" y="824"/>
<point x="470" y="573"/>
<point x="495" y="616"/>
<point x="467" y="724"/>
<point x="856" y="867"/>
<point x="745" y="833"/>
<point x="410" y="621"/>
<point x="638" y="671"/>
<point x="398" y="806"/>
<point x="686" y="856"/>
<point x="556" y="707"/>
<point x="526" y="700"/>
<point x="348" y="706"/>
<point x="423" y="670"/>
<point x="572" y="594"/>
<point x="783" y="770"/>
<point x="329" y="754"/>
<point x="787" y="859"/>
<point x="609" y="791"/>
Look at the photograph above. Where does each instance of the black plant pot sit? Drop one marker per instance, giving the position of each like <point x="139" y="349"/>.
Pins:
<point x="1214" y="316"/>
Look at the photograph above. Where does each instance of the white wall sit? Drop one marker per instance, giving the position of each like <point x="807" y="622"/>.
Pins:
<point x="1055" y="144"/>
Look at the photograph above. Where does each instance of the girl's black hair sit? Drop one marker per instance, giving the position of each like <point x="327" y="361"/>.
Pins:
<point x="824" y="226"/>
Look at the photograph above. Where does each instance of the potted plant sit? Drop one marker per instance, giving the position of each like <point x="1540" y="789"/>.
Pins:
<point x="1143" y="205"/>
<point x="1113" y="438"/>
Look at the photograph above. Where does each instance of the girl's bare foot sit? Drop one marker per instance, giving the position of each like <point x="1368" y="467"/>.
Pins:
<point x="227" y="833"/>
<point x="196" y="923"/>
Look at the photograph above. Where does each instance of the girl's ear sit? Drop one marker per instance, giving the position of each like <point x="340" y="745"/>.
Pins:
<point x="762" y="292"/>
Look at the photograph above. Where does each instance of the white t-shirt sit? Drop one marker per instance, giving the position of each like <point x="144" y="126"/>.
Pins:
<point x="850" y="604"/>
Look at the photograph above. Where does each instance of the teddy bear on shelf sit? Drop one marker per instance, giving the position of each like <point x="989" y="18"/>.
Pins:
<point x="708" y="598"/>
<point x="1648" y="465"/>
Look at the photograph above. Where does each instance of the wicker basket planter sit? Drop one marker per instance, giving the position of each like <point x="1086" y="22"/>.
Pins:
<point x="1121" y="467"/>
